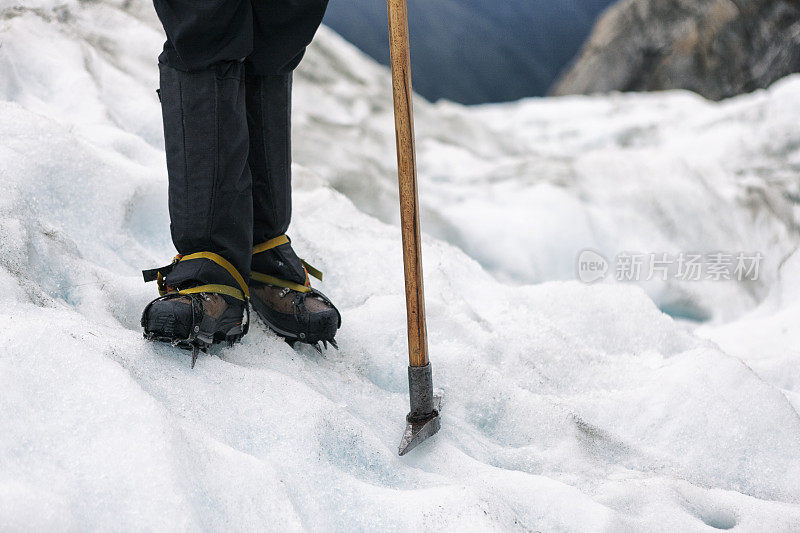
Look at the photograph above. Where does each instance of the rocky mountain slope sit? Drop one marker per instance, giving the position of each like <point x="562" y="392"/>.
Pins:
<point x="717" y="48"/>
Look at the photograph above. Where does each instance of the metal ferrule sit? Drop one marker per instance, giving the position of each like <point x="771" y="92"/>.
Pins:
<point x="420" y="384"/>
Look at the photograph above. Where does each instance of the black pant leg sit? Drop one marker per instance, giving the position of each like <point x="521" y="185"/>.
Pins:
<point x="206" y="138"/>
<point x="201" y="33"/>
<point x="205" y="133"/>
<point x="282" y="30"/>
<point x="269" y="121"/>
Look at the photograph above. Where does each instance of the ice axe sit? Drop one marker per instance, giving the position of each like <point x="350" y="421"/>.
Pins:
<point x="423" y="419"/>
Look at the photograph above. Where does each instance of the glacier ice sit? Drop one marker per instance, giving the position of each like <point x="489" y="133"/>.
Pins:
<point x="568" y="407"/>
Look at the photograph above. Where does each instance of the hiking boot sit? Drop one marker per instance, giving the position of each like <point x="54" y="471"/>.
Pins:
<point x="283" y="298"/>
<point x="192" y="314"/>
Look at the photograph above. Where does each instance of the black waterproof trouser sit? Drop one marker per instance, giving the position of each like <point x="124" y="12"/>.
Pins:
<point x="226" y="98"/>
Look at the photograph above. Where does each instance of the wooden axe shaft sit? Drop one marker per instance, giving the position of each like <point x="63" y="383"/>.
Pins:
<point x="407" y="177"/>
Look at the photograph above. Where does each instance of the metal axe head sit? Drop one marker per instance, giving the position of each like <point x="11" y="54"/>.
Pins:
<point x="423" y="420"/>
<point x="419" y="430"/>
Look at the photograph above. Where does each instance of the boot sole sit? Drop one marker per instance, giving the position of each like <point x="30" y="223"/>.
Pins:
<point x="287" y="335"/>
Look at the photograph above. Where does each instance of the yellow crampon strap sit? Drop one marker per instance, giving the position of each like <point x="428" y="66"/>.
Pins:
<point x="311" y="270"/>
<point x="270" y="244"/>
<point x="264" y="278"/>
<point x="272" y="280"/>
<point x="219" y="289"/>
<point x="156" y="274"/>
<point x="244" y="294"/>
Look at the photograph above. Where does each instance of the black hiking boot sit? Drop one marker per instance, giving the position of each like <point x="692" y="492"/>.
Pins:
<point x="283" y="298"/>
<point x="194" y="315"/>
<point x="194" y="321"/>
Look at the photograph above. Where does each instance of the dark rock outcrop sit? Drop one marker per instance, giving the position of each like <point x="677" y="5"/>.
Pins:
<point x="717" y="48"/>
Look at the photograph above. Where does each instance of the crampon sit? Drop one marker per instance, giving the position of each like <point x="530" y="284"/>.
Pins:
<point x="168" y="323"/>
<point x="195" y="316"/>
<point x="283" y="298"/>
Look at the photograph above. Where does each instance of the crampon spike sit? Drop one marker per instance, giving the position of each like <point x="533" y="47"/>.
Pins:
<point x="333" y="343"/>
<point x="317" y="348"/>
<point x="325" y="344"/>
<point x="195" y="350"/>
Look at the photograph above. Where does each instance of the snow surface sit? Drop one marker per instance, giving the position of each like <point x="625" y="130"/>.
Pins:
<point x="567" y="406"/>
